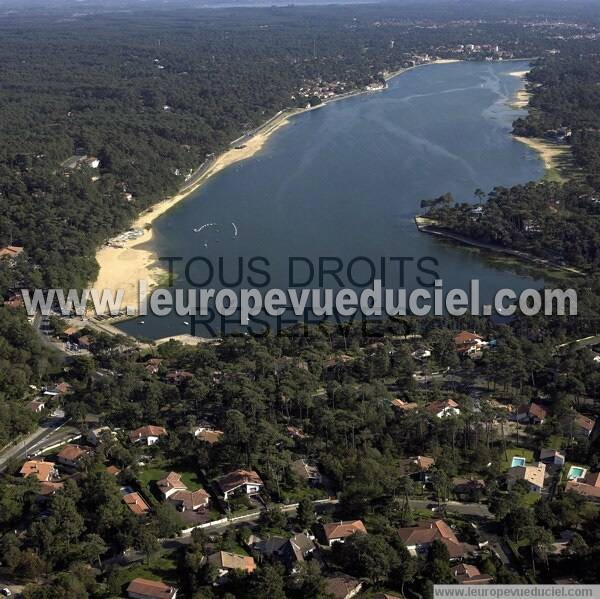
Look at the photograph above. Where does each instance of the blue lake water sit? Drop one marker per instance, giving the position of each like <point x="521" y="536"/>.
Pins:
<point x="346" y="181"/>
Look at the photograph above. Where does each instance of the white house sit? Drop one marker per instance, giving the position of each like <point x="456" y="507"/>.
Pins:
<point x="443" y="408"/>
<point x="245" y="481"/>
<point x="149" y="434"/>
<point x="534" y="475"/>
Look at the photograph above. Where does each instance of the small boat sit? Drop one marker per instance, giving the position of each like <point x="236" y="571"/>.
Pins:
<point x="141" y="322"/>
<point x="186" y="323"/>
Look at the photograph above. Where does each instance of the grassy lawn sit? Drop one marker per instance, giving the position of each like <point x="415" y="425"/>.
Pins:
<point x="555" y="442"/>
<point x="515" y="452"/>
<point x="531" y="499"/>
<point x="149" y="475"/>
<point x="296" y="495"/>
<point x="160" y="568"/>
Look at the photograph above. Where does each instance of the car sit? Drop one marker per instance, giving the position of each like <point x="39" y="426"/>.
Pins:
<point x="6" y="592"/>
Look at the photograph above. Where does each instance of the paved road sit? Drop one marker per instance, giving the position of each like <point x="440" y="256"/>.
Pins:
<point x="54" y="430"/>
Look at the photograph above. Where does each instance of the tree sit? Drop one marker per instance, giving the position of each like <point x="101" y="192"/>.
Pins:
<point x="269" y="583"/>
<point x="305" y="516"/>
<point x="369" y="556"/>
<point x="167" y="520"/>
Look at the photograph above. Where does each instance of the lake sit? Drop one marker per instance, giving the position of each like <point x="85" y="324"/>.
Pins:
<point x="347" y="179"/>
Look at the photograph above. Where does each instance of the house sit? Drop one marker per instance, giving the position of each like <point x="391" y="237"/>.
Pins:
<point x="207" y="435"/>
<point x="86" y="342"/>
<point x="80" y="160"/>
<point x="288" y="551"/>
<point x="468" y="488"/>
<point x="467" y="343"/>
<point x="534" y="475"/>
<point x="225" y="562"/>
<point x="36" y="405"/>
<point x="342" y="586"/>
<point x="589" y="487"/>
<point x="71" y="455"/>
<point x="60" y="389"/>
<point x="296" y="433"/>
<point x="135" y="502"/>
<point x="149" y="434"/>
<point x="43" y="471"/>
<point x="417" y="467"/>
<point x="246" y="481"/>
<point x="91" y="162"/>
<point x="421" y="354"/>
<point x="142" y="588"/>
<point x="300" y="546"/>
<point x="404" y="405"/>
<point x="443" y="408"/>
<point x="152" y="366"/>
<point x="113" y="470"/>
<point x="96" y="435"/>
<point x="10" y="252"/>
<point x="308" y="473"/>
<point x="583" y="426"/>
<point x="176" y="377"/>
<point x="170" y="485"/>
<point x="175" y="490"/>
<point x="561" y="544"/>
<point x="338" y="532"/>
<point x="469" y="574"/>
<point x="186" y="500"/>
<point x="533" y="413"/>
<point x="418" y="538"/>
<point x="552" y="456"/>
<point x="48" y="488"/>
<point x="14" y="300"/>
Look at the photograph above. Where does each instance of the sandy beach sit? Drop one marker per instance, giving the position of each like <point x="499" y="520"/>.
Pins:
<point x="552" y="154"/>
<point x="122" y="267"/>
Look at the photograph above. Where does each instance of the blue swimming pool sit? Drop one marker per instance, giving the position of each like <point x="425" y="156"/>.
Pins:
<point x="517" y="461"/>
<point x="576" y="472"/>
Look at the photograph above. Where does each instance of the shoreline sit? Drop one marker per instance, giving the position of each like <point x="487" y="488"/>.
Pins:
<point x="123" y="266"/>
<point x="427" y="225"/>
<point x="549" y="152"/>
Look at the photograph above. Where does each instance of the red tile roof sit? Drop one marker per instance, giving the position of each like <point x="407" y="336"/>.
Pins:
<point x="72" y="453"/>
<point x="237" y="478"/>
<point x="585" y="423"/>
<point x="136" y="503"/>
<point x="147" y="431"/>
<point x="466" y="338"/>
<point x="170" y="482"/>
<point x="153" y="589"/>
<point x="231" y="561"/>
<point x="41" y="470"/>
<point x="341" y="530"/>
<point x="427" y="532"/>
<point x="10" y="251"/>
<point x="191" y="500"/>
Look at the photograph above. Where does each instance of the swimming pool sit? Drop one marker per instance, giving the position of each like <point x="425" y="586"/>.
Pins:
<point x="575" y="472"/>
<point x="517" y="461"/>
